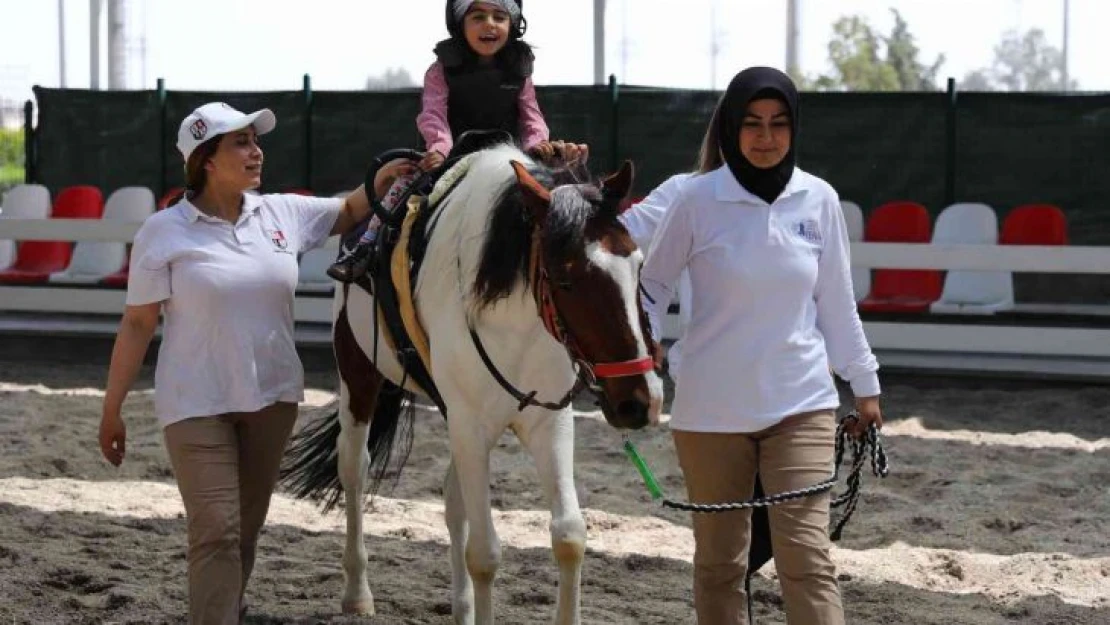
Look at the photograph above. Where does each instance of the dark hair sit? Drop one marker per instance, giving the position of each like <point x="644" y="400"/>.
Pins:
<point x="195" y="175"/>
<point x="709" y="156"/>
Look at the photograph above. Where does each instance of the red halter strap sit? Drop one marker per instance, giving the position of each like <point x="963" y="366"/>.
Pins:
<point x="545" y="304"/>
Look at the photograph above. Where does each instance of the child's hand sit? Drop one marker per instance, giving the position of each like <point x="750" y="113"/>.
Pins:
<point x="542" y="151"/>
<point x="431" y="160"/>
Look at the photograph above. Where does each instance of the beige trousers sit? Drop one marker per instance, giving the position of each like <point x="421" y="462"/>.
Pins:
<point x="719" y="468"/>
<point x="226" y="467"/>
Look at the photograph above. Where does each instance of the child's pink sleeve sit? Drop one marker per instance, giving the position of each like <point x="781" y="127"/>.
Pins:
<point x="432" y="120"/>
<point x="533" y="129"/>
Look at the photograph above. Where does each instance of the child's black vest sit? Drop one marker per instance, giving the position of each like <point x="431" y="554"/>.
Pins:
<point x="484" y="97"/>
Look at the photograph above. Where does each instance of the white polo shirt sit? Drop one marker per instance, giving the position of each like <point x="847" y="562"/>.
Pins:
<point x="227" y="301"/>
<point x="772" y="305"/>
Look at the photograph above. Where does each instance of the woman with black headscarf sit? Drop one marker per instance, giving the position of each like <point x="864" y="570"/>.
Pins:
<point x="766" y="248"/>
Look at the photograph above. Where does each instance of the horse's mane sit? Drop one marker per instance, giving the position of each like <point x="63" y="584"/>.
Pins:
<point x="507" y="246"/>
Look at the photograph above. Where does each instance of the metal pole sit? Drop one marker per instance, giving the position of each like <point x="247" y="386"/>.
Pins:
<point x="614" y="127"/>
<point x="599" y="42"/>
<point x="94" y="44"/>
<point x="1064" y="68"/>
<point x="29" y="173"/>
<point x="61" y="44"/>
<point x="117" y="42"/>
<point x="307" y="86"/>
<point x="791" y="37"/>
<point x="162" y="186"/>
<point x="950" y="146"/>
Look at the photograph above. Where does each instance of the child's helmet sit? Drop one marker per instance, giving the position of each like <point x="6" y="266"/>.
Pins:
<point x="516" y="31"/>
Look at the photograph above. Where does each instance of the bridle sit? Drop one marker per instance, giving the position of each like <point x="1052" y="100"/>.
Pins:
<point x="587" y="372"/>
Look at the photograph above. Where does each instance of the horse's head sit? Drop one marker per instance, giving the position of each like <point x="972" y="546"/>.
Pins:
<point x="588" y="269"/>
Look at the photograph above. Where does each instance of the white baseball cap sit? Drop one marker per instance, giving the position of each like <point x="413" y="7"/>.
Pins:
<point x="217" y="118"/>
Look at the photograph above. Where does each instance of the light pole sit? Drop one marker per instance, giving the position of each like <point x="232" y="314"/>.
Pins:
<point x="599" y="42"/>
<point x="61" y="44"/>
<point x="1064" y="64"/>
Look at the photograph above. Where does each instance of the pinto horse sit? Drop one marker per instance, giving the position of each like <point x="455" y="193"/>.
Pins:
<point x="513" y="261"/>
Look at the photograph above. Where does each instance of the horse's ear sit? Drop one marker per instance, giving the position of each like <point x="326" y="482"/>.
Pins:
<point x="615" y="187"/>
<point x="536" y="198"/>
<point x="618" y="184"/>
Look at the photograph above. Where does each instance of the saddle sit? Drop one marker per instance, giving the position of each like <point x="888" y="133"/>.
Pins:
<point x="401" y="245"/>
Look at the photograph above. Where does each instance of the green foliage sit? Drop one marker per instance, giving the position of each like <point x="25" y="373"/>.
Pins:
<point x="863" y="59"/>
<point x="1022" y="62"/>
<point x="11" y="158"/>
<point x="11" y="147"/>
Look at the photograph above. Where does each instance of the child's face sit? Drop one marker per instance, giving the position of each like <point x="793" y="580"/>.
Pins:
<point x="486" y="28"/>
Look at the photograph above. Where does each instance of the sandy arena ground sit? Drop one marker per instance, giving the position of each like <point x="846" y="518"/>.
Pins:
<point x="997" y="510"/>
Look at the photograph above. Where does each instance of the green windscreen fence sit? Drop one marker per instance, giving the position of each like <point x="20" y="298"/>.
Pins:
<point x="1001" y="149"/>
<point x="103" y="138"/>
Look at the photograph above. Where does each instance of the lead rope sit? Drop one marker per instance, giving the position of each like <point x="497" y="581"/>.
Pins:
<point x="868" y="446"/>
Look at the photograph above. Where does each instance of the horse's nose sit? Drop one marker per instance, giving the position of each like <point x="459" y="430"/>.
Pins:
<point x="632" y="414"/>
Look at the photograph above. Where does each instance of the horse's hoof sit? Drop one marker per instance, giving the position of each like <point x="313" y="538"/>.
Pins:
<point x="363" y="607"/>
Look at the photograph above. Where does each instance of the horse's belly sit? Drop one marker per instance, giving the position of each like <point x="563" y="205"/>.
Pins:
<point x="359" y="314"/>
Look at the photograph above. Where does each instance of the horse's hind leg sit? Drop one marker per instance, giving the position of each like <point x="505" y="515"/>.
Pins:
<point x="359" y="384"/>
<point x="462" y="590"/>
<point x="550" y="441"/>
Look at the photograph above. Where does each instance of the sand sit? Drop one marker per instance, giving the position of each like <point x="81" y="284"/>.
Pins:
<point x="997" y="510"/>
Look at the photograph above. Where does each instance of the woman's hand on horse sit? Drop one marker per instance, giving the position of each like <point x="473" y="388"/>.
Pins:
<point x="113" y="437"/>
<point x="432" y="160"/>
<point x="869" y="413"/>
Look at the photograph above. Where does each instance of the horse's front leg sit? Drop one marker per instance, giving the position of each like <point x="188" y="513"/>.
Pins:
<point x="354" y="465"/>
<point x="470" y="455"/>
<point x="462" y="590"/>
<point x="550" y="440"/>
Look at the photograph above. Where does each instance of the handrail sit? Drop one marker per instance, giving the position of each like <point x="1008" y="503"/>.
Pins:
<point x="1019" y="258"/>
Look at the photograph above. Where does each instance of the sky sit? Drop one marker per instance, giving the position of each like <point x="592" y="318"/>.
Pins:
<point x="252" y="45"/>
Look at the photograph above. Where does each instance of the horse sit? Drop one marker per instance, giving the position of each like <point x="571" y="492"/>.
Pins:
<point x="529" y="281"/>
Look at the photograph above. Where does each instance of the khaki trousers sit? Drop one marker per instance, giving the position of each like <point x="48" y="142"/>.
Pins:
<point x="719" y="468"/>
<point x="226" y="467"/>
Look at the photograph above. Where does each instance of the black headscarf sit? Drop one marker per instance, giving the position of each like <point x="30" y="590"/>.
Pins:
<point x="756" y="83"/>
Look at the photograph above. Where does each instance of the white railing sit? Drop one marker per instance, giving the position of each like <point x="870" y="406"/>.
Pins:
<point x="973" y="346"/>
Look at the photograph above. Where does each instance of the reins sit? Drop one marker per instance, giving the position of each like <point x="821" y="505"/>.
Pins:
<point x="869" y="446"/>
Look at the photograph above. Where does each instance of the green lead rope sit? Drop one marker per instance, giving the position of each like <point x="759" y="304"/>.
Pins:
<point x="642" y="467"/>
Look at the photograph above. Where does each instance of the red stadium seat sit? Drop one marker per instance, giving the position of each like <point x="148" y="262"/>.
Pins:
<point x="169" y="197"/>
<point x="1035" y="224"/>
<point x="900" y="290"/>
<point x="299" y="191"/>
<point x="36" y="260"/>
<point x="117" y="279"/>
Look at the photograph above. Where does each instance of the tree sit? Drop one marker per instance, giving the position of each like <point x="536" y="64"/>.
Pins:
<point x="393" y="78"/>
<point x="865" y="60"/>
<point x="1022" y="63"/>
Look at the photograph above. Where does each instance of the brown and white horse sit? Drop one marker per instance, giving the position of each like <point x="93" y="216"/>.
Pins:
<point x="513" y="261"/>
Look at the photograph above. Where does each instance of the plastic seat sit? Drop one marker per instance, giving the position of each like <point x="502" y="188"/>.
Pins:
<point x="94" y="260"/>
<point x="169" y="197"/>
<point x="971" y="292"/>
<point x="36" y="260"/>
<point x="312" y="276"/>
<point x="861" y="276"/>
<point x="900" y="290"/>
<point x="25" y="201"/>
<point x="1035" y="224"/>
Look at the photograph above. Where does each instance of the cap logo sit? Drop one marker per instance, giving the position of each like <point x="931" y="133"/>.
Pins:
<point x="198" y="129"/>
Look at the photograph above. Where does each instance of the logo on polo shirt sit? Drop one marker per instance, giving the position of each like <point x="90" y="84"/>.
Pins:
<point x="808" y="230"/>
<point x="198" y="129"/>
<point x="277" y="237"/>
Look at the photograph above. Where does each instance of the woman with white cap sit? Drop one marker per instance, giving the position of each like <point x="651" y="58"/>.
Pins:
<point x="220" y="267"/>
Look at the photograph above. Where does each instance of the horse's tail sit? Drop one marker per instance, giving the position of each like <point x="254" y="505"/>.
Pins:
<point x="310" y="469"/>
